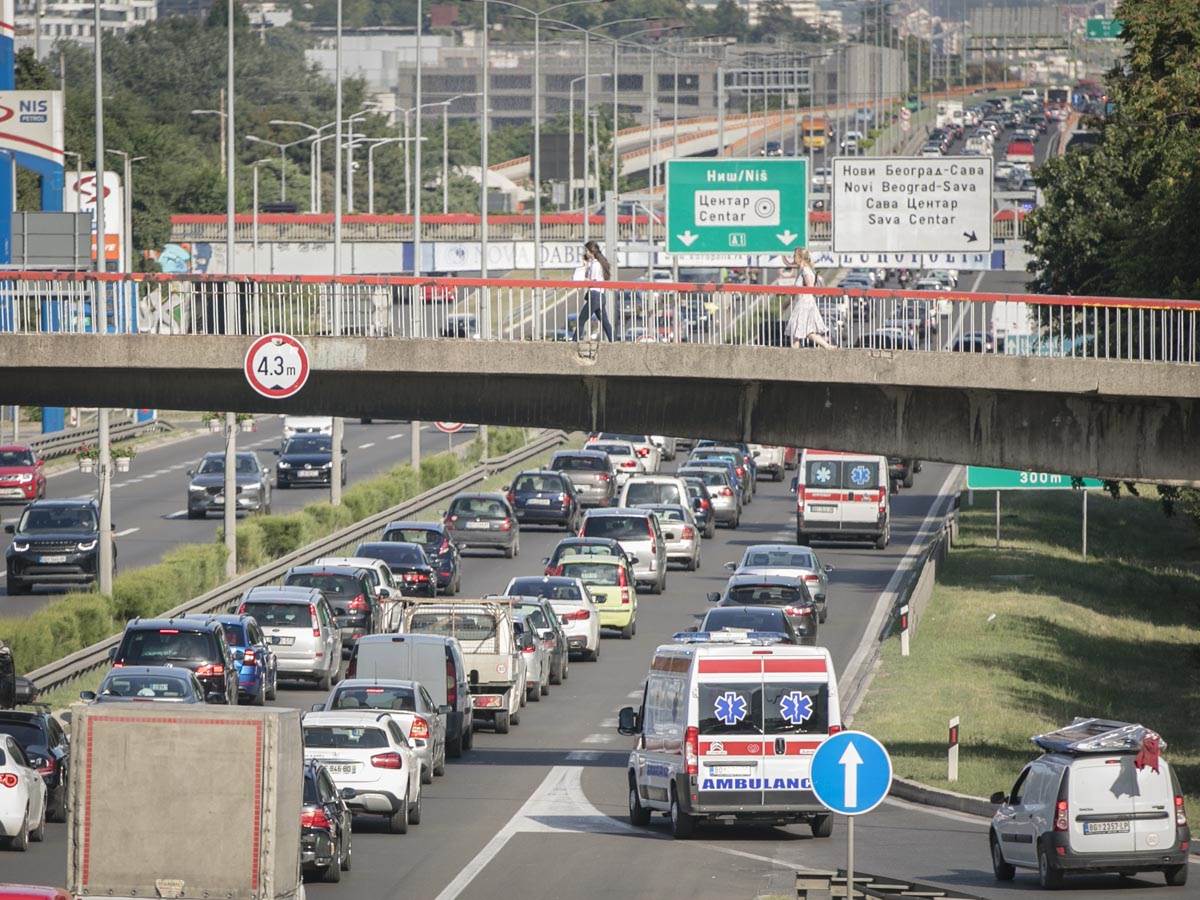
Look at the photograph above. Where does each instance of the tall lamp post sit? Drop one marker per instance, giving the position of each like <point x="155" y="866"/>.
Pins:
<point x="282" y="148"/>
<point x="127" y="191"/>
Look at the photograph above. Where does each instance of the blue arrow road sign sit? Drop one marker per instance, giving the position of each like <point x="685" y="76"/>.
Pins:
<point x="851" y="773"/>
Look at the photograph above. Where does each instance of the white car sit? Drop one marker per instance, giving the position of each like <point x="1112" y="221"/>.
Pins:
<point x="769" y="459"/>
<point x="569" y="598"/>
<point x="643" y="445"/>
<point x="625" y="460"/>
<point x="535" y="657"/>
<point x="409" y="704"/>
<point x="22" y="797"/>
<point x="665" y="446"/>
<point x="368" y="753"/>
<point x="293" y="425"/>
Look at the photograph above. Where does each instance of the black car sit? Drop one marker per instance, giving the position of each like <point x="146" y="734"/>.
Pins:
<point x="206" y="485"/>
<point x="440" y="550"/>
<point x="772" y="590"/>
<point x="408" y="563"/>
<point x="55" y="542"/>
<point x="350" y="594"/>
<point x="196" y="644"/>
<point x="753" y="618"/>
<point x="325" y="825"/>
<point x="902" y="470"/>
<point x="147" y="684"/>
<point x="45" y="745"/>
<point x="702" y="507"/>
<point x="307" y="459"/>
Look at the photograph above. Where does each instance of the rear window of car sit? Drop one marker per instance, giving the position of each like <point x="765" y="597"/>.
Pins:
<point x="344" y="737"/>
<point x="782" y="559"/>
<point x="551" y="590"/>
<point x="795" y="708"/>
<point x="326" y="582"/>
<point x="751" y="620"/>
<point x="462" y="625"/>
<point x="280" y="615"/>
<point x="24" y="734"/>
<point x="478" y="507"/>
<point x="375" y="697"/>
<point x="146" y="686"/>
<point x="156" y="646"/>
<point x="652" y="492"/>
<point x="430" y="537"/>
<point x="767" y="595"/>
<point x="235" y="635"/>
<point x="392" y="553"/>
<point x="854" y="474"/>
<point x="578" y="463"/>
<point x="711" y="479"/>
<point x="632" y="438"/>
<point x="604" y="574"/>
<point x="670" y="514"/>
<point x="532" y="483"/>
<point x="619" y="528"/>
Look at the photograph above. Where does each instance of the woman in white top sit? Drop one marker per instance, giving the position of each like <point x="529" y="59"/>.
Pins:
<point x="805" y="321"/>
<point x="594" y="270"/>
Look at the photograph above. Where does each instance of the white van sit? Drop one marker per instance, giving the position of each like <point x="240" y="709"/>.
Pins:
<point x="1095" y="801"/>
<point x="434" y="660"/>
<point x="726" y="730"/>
<point x="294" y="425"/>
<point x="843" y="496"/>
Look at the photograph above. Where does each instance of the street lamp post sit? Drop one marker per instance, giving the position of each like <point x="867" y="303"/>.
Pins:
<point x="445" y="105"/>
<point x="335" y="472"/>
<point x="254" y="214"/>
<point x="417" y="151"/>
<point x="127" y="192"/>
<point x="282" y="148"/>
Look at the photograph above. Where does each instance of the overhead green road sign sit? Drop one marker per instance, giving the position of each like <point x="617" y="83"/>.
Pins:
<point x="737" y="205"/>
<point x="1099" y="29"/>
<point x="985" y="478"/>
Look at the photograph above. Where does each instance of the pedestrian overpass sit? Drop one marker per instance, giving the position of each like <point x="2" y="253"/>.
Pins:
<point x="1087" y="386"/>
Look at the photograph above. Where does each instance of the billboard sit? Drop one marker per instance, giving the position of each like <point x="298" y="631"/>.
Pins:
<point x="80" y="196"/>
<point x="32" y="122"/>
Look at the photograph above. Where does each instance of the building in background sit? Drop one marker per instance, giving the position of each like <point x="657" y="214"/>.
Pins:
<point x="72" y="21"/>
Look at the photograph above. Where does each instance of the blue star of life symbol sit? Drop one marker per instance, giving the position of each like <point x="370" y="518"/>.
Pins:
<point x="860" y="475"/>
<point x="730" y="708"/>
<point x="823" y="474"/>
<point x="796" y="707"/>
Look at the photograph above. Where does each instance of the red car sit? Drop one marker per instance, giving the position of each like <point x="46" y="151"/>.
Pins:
<point x="21" y="475"/>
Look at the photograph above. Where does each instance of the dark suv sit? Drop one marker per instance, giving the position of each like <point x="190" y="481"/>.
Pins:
<point x="350" y="595"/>
<point x="45" y="746"/>
<point x="206" y="485"/>
<point x="54" y="542"/>
<point x="196" y="644"/>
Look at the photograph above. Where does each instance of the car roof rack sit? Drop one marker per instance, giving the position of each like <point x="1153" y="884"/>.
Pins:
<point x="1091" y="735"/>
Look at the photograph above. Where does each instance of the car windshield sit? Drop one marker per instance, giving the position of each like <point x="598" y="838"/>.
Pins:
<point x="15" y="458"/>
<point x="309" y="443"/>
<point x="235" y="635"/>
<point x="453" y="623"/>
<point x="153" y="687"/>
<point x="394" y="554"/>
<point x="751" y="620"/>
<point x="26" y="735"/>
<point x="641" y="492"/>
<point x="779" y="559"/>
<point x="579" y="463"/>
<point x="767" y="595"/>
<point x="154" y="646"/>
<point x="537" y="483"/>
<point x="478" y="508"/>
<point x="375" y="697"/>
<point x="326" y="582"/>
<point x="430" y="537"/>
<point x="619" y="528"/>
<point x="344" y="737"/>
<point x="603" y="574"/>
<point x="279" y="615"/>
<point x="550" y="588"/>
<point x="69" y="519"/>
<point x="215" y="465"/>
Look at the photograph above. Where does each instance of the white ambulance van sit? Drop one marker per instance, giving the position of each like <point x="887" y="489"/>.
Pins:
<point x="843" y="496"/>
<point x="726" y="730"/>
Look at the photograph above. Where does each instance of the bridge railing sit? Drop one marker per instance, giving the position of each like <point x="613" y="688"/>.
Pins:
<point x="751" y="316"/>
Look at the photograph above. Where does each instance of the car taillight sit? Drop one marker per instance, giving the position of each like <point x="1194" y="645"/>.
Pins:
<point x="800" y="494"/>
<point x="451" y="684"/>
<point x="358" y="603"/>
<point x="643" y="452"/>
<point x="554" y="571"/>
<point x="312" y="612"/>
<point x="214" y="669"/>
<point x="387" y="761"/>
<point x="512" y="498"/>
<point x="8" y="780"/>
<point x="415" y="576"/>
<point x="248" y="657"/>
<point x="445" y="546"/>
<point x="241" y="609"/>
<point x="419" y="730"/>
<point x="1060" y="816"/>
<point x="629" y="464"/>
<point x="741" y="472"/>
<point x="797" y="611"/>
<point x="562" y="498"/>
<point x="622" y="579"/>
<point x="578" y="615"/>
<point x="315" y="818"/>
<point x="48" y="767"/>
<point x="691" y="750"/>
<point x="451" y="519"/>
<point x="689" y="533"/>
<point x="1180" y="811"/>
<point x="625" y="596"/>
<point x="506" y="525"/>
<point x="605" y="477"/>
<point x="811" y="579"/>
<point x="704" y="504"/>
<point x="726" y="492"/>
<point x="834" y="729"/>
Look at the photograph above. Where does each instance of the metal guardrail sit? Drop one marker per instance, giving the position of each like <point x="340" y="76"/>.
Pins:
<point x="63" y="443"/>
<point x="59" y="672"/>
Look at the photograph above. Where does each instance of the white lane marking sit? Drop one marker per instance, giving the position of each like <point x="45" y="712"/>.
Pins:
<point x="395" y="437"/>
<point x="161" y="471"/>
<point x="366" y="445"/>
<point x="608" y="723"/>
<point x="888" y="597"/>
<point x="560" y="800"/>
<point x="178" y="514"/>
<point x="125" y="532"/>
<point x="636" y="693"/>
<point x="599" y="739"/>
<point x="3" y="575"/>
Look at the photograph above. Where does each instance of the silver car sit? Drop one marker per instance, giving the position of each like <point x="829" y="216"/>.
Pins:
<point x="681" y="533"/>
<point x="301" y="630"/>
<point x="726" y="499"/>
<point x="206" y="485"/>
<point x="639" y="533"/>
<point x="788" y="561"/>
<point x="592" y="473"/>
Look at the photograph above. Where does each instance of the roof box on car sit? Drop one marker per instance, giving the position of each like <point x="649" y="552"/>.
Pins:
<point x="1095" y="736"/>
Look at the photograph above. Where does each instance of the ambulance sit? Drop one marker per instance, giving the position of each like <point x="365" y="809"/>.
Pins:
<point x="843" y="496"/>
<point x="726" y="730"/>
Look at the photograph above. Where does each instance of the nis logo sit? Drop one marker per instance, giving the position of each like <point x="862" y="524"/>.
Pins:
<point x="33" y="111"/>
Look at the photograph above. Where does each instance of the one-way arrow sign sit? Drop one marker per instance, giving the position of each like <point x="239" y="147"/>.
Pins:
<point x="851" y="773"/>
<point x="687" y="238"/>
<point x="850" y="761"/>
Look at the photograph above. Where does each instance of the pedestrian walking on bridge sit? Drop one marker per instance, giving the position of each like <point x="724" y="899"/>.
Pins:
<point x="595" y="269"/>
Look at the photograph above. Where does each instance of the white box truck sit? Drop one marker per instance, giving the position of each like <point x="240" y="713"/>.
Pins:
<point x="187" y="802"/>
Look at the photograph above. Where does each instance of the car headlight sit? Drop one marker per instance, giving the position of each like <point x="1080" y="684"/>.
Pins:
<point x="328" y="465"/>
<point x="87" y="545"/>
<point x="284" y="464"/>
<point x="20" y="546"/>
<point x="196" y="489"/>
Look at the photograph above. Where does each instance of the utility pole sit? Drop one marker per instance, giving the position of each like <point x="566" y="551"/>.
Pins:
<point x="100" y="324"/>
<point x="335" y="468"/>
<point x="230" y="507"/>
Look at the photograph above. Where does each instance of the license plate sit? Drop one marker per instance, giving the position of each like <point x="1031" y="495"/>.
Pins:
<point x="341" y="768"/>
<point x="537" y="501"/>
<point x="729" y="770"/>
<point x="11" y="492"/>
<point x="1106" y="828"/>
<point x="478" y="526"/>
<point x="822" y="507"/>
<point x="308" y="473"/>
<point x="281" y="640"/>
<point x="54" y="559"/>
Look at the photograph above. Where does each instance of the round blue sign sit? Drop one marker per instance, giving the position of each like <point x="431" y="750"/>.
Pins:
<point x="851" y="773"/>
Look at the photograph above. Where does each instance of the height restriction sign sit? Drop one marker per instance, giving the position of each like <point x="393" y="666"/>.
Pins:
<point x="276" y="366"/>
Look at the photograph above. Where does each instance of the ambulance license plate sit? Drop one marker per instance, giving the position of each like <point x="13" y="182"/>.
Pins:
<point x="1105" y="827"/>
<point x="822" y="507"/>
<point x="729" y="770"/>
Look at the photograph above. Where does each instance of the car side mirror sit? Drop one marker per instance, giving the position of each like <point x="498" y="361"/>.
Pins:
<point x="384" y="593"/>
<point x="732" y="567"/>
<point x="627" y="721"/>
<point x="714" y="597"/>
<point x="112" y="654"/>
<point x="634" y="560"/>
<point x="10" y="529"/>
<point x="276" y="451"/>
<point x="506" y="488"/>
<point x="795" y="484"/>
<point x="545" y="560"/>
<point x="828" y="569"/>
<point x="191" y="473"/>
<point x="317" y="707"/>
<point x="999" y="798"/>
<point x="347" y="793"/>
<point x="445" y="709"/>
<point x="87" y="696"/>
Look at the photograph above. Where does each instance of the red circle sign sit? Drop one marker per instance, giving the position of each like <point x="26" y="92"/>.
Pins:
<point x="276" y="366"/>
<point x="448" y="427"/>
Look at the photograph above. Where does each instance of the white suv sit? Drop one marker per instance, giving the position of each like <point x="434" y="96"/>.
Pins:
<point x="368" y="753"/>
<point x="1100" y="799"/>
